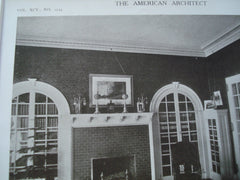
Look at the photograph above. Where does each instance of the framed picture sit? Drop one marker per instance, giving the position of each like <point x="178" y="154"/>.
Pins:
<point x="217" y="98"/>
<point x="105" y="88"/>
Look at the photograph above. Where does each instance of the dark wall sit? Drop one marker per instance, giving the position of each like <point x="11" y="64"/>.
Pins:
<point x="68" y="70"/>
<point x="223" y="64"/>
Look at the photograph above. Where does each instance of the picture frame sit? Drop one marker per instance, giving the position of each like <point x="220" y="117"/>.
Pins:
<point x="110" y="88"/>
<point x="217" y="98"/>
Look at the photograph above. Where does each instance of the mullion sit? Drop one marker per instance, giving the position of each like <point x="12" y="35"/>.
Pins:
<point x="237" y="94"/>
<point x="237" y="89"/>
<point x="186" y="105"/>
<point x="46" y="131"/>
<point x="169" y="139"/>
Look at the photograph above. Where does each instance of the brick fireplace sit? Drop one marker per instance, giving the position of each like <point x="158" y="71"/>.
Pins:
<point x="109" y="145"/>
<point x="111" y="142"/>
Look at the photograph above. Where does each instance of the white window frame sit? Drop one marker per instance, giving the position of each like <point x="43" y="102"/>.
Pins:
<point x="32" y="86"/>
<point x="176" y="87"/>
<point x="236" y="139"/>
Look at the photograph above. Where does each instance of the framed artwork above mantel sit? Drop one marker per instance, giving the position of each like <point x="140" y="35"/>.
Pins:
<point x="106" y="88"/>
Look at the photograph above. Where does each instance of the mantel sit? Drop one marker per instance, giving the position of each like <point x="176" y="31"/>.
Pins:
<point x="114" y="119"/>
<point x="79" y="122"/>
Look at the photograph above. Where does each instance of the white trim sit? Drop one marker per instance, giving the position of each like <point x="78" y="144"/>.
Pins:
<point x="47" y="42"/>
<point x="229" y="81"/>
<point x="224" y="141"/>
<point x="161" y="93"/>
<point x="151" y="142"/>
<point x="211" y="114"/>
<point x="231" y="35"/>
<point x="116" y="119"/>
<point x="46" y="89"/>
<point x="233" y="79"/>
<point x="198" y="108"/>
<point x="32" y="86"/>
<point x="65" y="154"/>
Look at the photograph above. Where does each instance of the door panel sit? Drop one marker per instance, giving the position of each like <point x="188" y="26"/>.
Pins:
<point x="233" y="85"/>
<point x="177" y="124"/>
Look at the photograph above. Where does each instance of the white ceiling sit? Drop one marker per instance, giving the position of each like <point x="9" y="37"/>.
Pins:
<point x="156" y="34"/>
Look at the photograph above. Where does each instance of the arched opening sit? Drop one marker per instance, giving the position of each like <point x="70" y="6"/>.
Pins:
<point x="179" y="126"/>
<point x="37" y="108"/>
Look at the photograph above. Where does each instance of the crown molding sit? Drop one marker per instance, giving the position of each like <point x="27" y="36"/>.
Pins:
<point x="227" y="37"/>
<point x="231" y="35"/>
<point x="164" y="50"/>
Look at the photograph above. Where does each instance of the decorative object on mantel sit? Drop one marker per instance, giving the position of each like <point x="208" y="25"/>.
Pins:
<point x="217" y="98"/>
<point x="96" y="96"/>
<point x="124" y="96"/>
<point x="79" y="102"/>
<point x="110" y="107"/>
<point x="110" y="87"/>
<point x="215" y="102"/>
<point x="142" y="104"/>
<point x="126" y="174"/>
<point x="209" y="104"/>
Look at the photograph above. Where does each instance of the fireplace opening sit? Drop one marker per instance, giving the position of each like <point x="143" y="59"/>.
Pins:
<point x="113" y="168"/>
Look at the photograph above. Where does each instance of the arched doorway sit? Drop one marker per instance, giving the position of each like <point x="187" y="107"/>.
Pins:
<point x="37" y="108"/>
<point x="179" y="124"/>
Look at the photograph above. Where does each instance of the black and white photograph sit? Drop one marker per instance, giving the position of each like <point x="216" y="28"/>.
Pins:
<point x="106" y="88"/>
<point x="126" y="97"/>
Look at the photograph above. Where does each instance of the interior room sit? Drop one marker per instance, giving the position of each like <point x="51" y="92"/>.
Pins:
<point x="126" y="98"/>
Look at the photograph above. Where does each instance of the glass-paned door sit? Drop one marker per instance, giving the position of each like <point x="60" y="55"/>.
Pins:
<point x="214" y="145"/>
<point x="19" y="132"/>
<point x="177" y="124"/>
<point x="233" y="86"/>
<point x="34" y="137"/>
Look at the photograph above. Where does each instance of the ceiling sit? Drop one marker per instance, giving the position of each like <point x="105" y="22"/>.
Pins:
<point x="195" y="35"/>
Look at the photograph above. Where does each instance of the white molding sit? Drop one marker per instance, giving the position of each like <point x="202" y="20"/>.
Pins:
<point x="33" y="86"/>
<point x="65" y="154"/>
<point x="225" y="149"/>
<point x="163" y="49"/>
<point x="232" y="79"/>
<point x="115" y="119"/>
<point x="162" y="92"/>
<point x="235" y="131"/>
<point x="74" y="121"/>
<point x="198" y="108"/>
<point x="222" y="40"/>
<point x="46" y="89"/>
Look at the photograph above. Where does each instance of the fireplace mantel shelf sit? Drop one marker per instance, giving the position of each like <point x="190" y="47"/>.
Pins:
<point x="113" y="119"/>
<point x="91" y="128"/>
